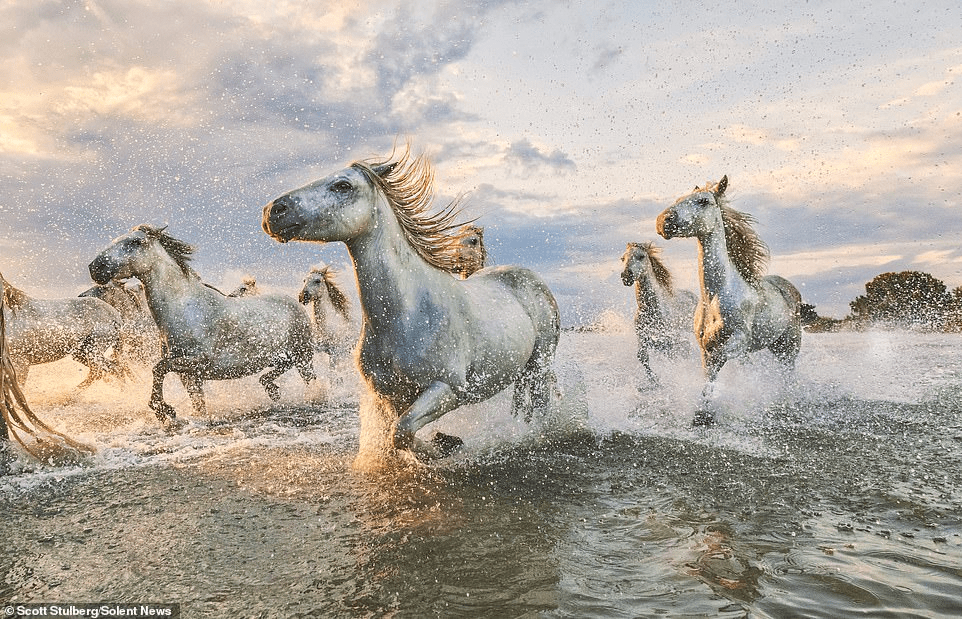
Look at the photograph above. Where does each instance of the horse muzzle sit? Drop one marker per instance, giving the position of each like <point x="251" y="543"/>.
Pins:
<point x="665" y="225"/>
<point x="281" y="220"/>
<point x="102" y="269"/>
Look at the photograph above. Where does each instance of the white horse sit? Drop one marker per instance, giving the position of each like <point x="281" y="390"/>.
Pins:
<point x="47" y="330"/>
<point x="470" y="251"/>
<point x="663" y="317"/>
<point x="139" y="337"/>
<point x="430" y="343"/>
<point x="330" y="311"/>
<point x="206" y="334"/>
<point x="17" y="421"/>
<point x="741" y="310"/>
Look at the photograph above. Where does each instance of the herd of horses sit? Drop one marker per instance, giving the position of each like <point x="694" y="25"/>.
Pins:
<point x="438" y="329"/>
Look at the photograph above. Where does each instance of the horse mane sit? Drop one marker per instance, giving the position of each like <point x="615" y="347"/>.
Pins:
<point x="181" y="252"/>
<point x="407" y="184"/>
<point x="338" y="299"/>
<point x="747" y="251"/>
<point x="661" y="272"/>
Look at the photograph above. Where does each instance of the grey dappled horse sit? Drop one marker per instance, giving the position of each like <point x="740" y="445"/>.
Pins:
<point x="330" y="312"/>
<point x="430" y="343"/>
<point x="46" y="330"/>
<point x="741" y="310"/>
<point x="206" y="334"/>
<point x="663" y="316"/>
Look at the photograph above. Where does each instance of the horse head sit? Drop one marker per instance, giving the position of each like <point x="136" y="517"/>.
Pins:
<point x="695" y="213"/>
<point x="335" y="208"/>
<point x="134" y="253"/>
<point x="642" y="261"/>
<point x="320" y="285"/>
<point x="633" y="262"/>
<point x="471" y="252"/>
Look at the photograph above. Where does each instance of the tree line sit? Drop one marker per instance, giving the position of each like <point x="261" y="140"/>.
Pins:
<point x="904" y="300"/>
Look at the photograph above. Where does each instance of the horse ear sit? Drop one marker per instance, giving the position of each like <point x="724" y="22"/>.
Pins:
<point x="384" y="169"/>
<point x="722" y="185"/>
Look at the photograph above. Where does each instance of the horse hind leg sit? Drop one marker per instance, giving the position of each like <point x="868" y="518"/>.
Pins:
<point x="267" y="379"/>
<point x="787" y="346"/>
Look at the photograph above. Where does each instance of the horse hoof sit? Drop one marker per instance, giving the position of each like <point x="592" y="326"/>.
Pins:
<point x="446" y="444"/>
<point x="703" y="419"/>
<point x="173" y="425"/>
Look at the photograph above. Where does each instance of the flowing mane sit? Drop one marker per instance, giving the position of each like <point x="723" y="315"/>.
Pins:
<point x="407" y="184"/>
<point x="338" y="298"/>
<point x="748" y="252"/>
<point x="180" y="251"/>
<point x="662" y="274"/>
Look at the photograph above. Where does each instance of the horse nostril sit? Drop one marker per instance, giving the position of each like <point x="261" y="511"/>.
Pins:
<point x="280" y="205"/>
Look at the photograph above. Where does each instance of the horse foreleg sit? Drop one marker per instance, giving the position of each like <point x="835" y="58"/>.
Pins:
<point x="433" y="402"/>
<point x="164" y="411"/>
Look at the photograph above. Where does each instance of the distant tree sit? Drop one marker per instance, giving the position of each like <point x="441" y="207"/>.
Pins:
<point x="905" y="298"/>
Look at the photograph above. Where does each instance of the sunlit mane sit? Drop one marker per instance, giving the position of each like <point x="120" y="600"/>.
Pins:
<point x="408" y="186"/>
<point x="181" y="252"/>
<point x="338" y="298"/>
<point x="662" y="274"/>
<point x="748" y="252"/>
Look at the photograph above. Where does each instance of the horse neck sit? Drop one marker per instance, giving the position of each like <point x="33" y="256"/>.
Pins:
<point x="715" y="268"/>
<point x="165" y="282"/>
<point x="321" y="308"/>
<point x="647" y="295"/>
<point x="392" y="279"/>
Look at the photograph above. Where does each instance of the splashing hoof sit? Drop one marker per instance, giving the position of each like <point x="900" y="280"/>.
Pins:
<point x="174" y="425"/>
<point x="273" y="391"/>
<point x="703" y="419"/>
<point x="446" y="444"/>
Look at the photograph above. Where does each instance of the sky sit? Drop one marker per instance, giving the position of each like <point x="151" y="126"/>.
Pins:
<point x="568" y="127"/>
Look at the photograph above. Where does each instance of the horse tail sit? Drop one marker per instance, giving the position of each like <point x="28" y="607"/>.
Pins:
<point x="787" y="345"/>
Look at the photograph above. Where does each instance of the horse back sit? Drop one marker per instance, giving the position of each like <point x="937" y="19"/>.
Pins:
<point x="532" y="294"/>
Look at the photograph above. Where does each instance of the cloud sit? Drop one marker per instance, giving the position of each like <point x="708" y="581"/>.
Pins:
<point x="529" y="159"/>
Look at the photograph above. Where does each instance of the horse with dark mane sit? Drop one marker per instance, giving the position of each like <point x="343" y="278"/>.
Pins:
<point x="330" y="313"/>
<point x="741" y="310"/>
<point x="206" y="334"/>
<point x="429" y="342"/>
<point x="663" y="317"/>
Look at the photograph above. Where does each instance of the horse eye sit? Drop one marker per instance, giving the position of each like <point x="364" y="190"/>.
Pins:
<point x="341" y="186"/>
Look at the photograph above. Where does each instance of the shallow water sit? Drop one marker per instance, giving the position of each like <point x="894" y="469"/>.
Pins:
<point x="830" y="491"/>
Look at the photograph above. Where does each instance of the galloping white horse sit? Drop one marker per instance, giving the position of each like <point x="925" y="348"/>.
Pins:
<point x="17" y="421"/>
<point x="46" y="330"/>
<point x="662" y="315"/>
<point x="327" y="301"/>
<point x="741" y="309"/>
<point x="207" y="335"/>
<point x="429" y="342"/>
